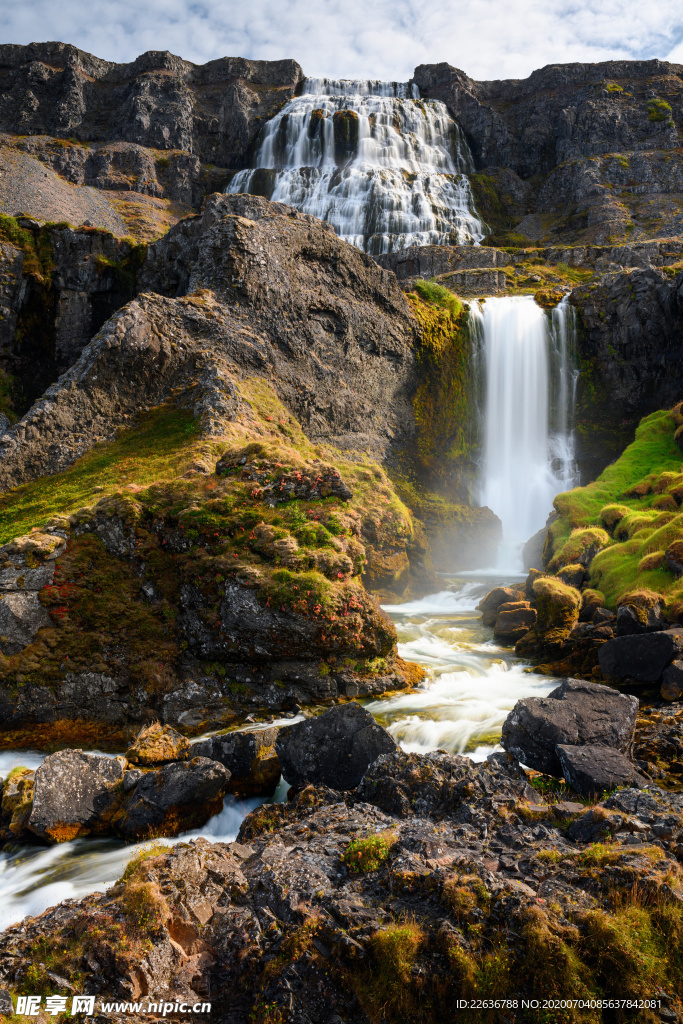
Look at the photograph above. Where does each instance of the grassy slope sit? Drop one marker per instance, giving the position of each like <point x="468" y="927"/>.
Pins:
<point x="651" y="465"/>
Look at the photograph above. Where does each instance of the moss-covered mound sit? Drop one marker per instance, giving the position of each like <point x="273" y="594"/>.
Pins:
<point x="628" y="519"/>
<point x="190" y="577"/>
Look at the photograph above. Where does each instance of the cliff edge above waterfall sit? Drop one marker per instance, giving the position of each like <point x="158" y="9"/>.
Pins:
<point x="575" y="153"/>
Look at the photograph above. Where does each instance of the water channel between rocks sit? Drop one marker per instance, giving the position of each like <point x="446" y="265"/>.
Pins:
<point x="472" y="684"/>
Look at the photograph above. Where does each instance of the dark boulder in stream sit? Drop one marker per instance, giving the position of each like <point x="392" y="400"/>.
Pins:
<point x="576" y="712"/>
<point x="333" y="750"/>
<point x="75" y="794"/>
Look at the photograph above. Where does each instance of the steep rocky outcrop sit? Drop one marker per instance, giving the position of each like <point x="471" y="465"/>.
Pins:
<point x="575" y="152"/>
<point x="212" y="111"/>
<point x="232" y="548"/>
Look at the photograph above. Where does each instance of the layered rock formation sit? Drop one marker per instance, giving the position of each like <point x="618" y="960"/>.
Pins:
<point x="159" y="128"/>
<point x="574" y="153"/>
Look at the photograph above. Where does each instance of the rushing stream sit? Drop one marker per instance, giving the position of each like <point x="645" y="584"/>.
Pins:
<point x="472" y="685"/>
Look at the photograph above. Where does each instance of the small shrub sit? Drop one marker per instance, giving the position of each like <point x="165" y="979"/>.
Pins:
<point x="658" y="110"/>
<point x="439" y="296"/>
<point x="362" y="855"/>
<point x="395" y="948"/>
<point x="144" y="906"/>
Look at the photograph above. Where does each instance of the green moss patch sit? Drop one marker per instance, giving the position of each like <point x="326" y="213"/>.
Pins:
<point x="626" y="501"/>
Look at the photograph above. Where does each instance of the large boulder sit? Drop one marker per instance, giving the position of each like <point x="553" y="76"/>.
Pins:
<point x="558" y="608"/>
<point x="75" y="794"/>
<point x="595" y="769"/>
<point x="250" y="757"/>
<point x="176" y="798"/>
<point x="335" y="749"/>
<point x="576" y="712"/>
<point x="514" y="620"/>
<point x="490" y="605"/>
<point x="640" y="657"/>
<point x="158" y="744"/>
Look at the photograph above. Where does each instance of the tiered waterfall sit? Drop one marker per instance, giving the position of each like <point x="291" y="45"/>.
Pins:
<point x="385" y="168"/>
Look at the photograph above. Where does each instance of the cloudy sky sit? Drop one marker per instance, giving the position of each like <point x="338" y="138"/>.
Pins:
<point x="361" y="38"/>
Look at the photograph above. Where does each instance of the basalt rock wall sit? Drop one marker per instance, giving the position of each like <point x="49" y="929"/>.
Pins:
<point x="212" y="111"/>
<point x="574" y="152"/>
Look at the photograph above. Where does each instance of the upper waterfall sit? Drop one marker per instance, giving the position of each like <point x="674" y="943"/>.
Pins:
<point x="385" y="168"/>
<point x="528" y="454"/>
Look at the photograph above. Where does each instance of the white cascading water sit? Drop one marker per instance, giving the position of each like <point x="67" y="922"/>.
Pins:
<point x="397" y="178"/>
<point x="529" y="389"/>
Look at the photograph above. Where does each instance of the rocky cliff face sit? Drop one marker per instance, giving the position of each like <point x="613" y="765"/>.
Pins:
<point x="577" y="152"/>
<point x="256" y="322"/>
<point x="212" y="111"/>
<point x="155" y="136"/>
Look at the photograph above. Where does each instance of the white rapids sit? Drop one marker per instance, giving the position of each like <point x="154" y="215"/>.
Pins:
<point x="385" y="168"/>
<point x="472" y="683"/>
<point x="529" y="389"/>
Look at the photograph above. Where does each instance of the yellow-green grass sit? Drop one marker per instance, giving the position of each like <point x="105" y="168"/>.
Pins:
<point x="649" y="467"/>
<point x="160" y="447"/>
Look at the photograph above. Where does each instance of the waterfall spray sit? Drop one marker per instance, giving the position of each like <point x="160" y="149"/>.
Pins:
<point x="385" y="168"/>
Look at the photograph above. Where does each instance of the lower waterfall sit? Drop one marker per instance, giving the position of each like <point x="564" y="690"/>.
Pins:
<point x="529" y="385"/>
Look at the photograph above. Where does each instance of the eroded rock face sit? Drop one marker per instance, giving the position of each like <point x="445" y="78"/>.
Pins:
<point x="342" y="356"/>
<point x="161" y="101"/>
<point x="332" y="750"/>
<point x="75" y="794"/>
<point x="575" y="713"/>
<point x="568" y="121"/>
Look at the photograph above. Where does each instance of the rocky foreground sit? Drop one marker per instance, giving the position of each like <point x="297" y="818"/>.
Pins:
<point x="393" y="884"/>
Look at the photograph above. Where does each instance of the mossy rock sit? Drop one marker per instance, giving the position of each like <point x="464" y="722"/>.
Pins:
<point x="611" y="515"/>
<point x="673" y="557"/>
<point x="158" y="744"/>
<point x="591" y="600"/>
<point x="558" y="604"/>
<point x="655" y="560"/>
<point x="580" y="548"/>
<point x="642" y="602"/>
<point x="572" y="575"/>
<point x="666" y="503"/>
<point x="677" y="414"/>
<point x="678" y="437"/>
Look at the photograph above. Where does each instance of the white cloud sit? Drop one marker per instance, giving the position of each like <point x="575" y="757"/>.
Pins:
<point x="365" y="38"/>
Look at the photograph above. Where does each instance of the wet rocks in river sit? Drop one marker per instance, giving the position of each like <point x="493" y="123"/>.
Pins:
<point x="642" y="657"/>
<point x="333" y="750"/>
<point x="576" y="712"/>
<point x="490" y="605"/>
<point x="250" y="757"/>
<point x="75" y="794"/>
<point x="176" y="798"/>
<point x="158" y="744"/>
<point x="594" y="769"/>
<point x="514" y="620"/>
